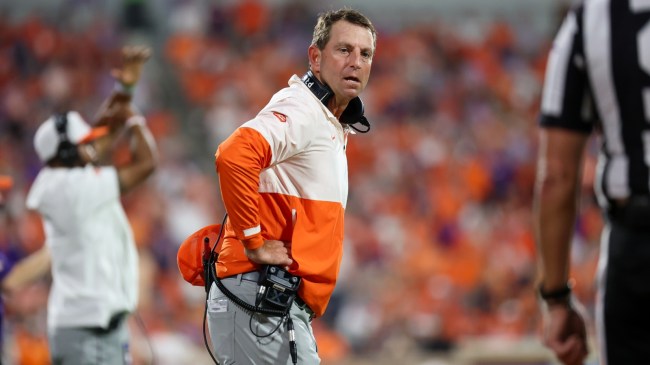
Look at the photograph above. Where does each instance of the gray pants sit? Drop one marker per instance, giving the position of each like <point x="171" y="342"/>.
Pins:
<point x="88" y="346"/>
<point x="234" y="342"/>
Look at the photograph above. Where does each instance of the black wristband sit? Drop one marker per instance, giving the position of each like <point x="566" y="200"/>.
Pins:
<point x="557" y="295"/>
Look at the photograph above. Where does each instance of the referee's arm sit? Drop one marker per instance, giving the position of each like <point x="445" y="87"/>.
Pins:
<point x="557" y="192"/>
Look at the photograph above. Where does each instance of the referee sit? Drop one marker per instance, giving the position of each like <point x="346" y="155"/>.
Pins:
<point x="598" y="79"/>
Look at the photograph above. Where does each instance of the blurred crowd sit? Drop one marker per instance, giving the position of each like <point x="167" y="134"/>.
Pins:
<point x="439" y="246"/>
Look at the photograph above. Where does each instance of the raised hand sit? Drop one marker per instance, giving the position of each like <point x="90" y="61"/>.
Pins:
<point x="117" y="108"/>
<point x="133" y="57"/>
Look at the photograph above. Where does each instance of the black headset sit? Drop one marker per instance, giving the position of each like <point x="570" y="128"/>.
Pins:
<point x="353" y="114"/>
<point x="67" y="151"/>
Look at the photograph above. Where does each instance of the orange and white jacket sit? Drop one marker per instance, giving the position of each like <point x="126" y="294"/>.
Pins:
<point x="284" y="176"/>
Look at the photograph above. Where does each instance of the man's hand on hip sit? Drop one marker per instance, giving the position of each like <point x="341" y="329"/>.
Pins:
<point x="272" y="252"/>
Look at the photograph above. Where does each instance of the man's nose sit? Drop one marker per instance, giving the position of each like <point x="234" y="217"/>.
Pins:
<point x="355" y="59"/>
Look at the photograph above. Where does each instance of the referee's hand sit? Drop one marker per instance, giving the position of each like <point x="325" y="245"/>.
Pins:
<point x="565" y="333"/>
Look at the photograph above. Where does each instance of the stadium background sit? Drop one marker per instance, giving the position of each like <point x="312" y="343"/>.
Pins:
<point x="439" y="265"/>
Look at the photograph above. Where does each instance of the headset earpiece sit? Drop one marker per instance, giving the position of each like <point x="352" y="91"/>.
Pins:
<point x="354" y="114"/>
<point x="67" y="151"/>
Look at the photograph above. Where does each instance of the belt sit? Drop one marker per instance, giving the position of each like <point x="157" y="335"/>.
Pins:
<point x="632" y="213"/>
<point x="113" y="324"/>
<point x="302" y="305"/>
<point x="249" y="276"/>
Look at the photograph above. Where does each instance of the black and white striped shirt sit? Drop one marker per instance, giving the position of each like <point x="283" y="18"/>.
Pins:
<point x="598" y="76"/>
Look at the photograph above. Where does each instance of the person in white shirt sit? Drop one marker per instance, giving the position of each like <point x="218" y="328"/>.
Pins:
<point x="94" y="260"/>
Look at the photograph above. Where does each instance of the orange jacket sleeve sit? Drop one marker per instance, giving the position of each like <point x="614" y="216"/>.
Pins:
<point x="239" y="161"/>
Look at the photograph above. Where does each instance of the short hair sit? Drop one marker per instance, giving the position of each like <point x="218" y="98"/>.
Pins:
<point x="323" y="28"/>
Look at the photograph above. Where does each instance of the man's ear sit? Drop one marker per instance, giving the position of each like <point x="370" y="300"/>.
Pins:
<point x="314" y="56"/>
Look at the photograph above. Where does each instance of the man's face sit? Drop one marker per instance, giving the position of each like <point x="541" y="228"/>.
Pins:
<point x="344" y="64"/>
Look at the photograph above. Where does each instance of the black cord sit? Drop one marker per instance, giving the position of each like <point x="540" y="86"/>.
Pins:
<point x="250" y="327"/>
<point x="245" y="306"/>
<point x="145" y="334"/>
<point x="208" y="282"/>
<point x="211" y="276"/>
<point x="205" y="336"/>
